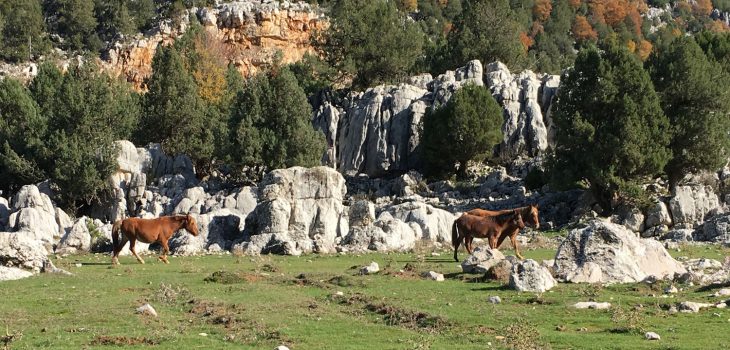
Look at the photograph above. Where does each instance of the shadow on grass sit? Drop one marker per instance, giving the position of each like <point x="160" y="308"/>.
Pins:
<point x="712" y="286"/>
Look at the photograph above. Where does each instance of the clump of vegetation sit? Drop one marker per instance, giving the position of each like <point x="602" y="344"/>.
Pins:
<point x="522" y="335"/>
<point x="228" y="277"/>
<point x="627" y="320"/>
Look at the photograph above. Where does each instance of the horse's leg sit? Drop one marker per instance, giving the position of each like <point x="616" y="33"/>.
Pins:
<point x="165" y="251"/>
<point x="468" y="240"/>
<point x="513" y="237"/>
<point x="118" y="248"/>
<point x="132" y="241"/>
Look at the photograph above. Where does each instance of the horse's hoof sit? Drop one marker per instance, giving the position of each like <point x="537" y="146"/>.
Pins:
<point x="141" y="262"/>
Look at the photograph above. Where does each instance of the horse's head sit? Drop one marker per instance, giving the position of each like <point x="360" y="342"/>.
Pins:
<point x="533" y="217"/>
<point x="517" y="219"/>
<point x="190" y="225"/>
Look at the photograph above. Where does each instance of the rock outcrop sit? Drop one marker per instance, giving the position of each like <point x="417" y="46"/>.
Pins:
<point x="606" y="253"/>
<point x="248" y="32"/>
<point x="377" y="131"/>
<point x="690" y="203"/>
<point x="299" y="211"/>
<point x="22" y="250"/>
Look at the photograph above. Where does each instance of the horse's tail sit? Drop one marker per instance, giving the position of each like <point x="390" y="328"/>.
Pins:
<point x="115" y="234"/>
<point x="455" y="239"/>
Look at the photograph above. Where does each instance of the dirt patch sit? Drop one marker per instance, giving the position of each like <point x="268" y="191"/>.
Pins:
<point x="397" y="316"/>
<point x="238" y="328"/>
<point x="123" y="341"/>
<point x="227" y="277"/>
<point x="499" y="272"/>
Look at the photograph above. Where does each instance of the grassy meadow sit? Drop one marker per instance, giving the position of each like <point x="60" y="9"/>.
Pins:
<point x="241" y="302"/>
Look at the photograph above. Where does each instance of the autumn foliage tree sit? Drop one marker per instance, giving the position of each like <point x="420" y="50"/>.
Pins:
<point x="583" y="31"/>
<point x="541" y="10"/>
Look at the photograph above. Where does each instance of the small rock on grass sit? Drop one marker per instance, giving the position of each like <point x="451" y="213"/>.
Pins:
<point x="147" y="309"/>
<point x="592" y="305"/>
<point x="652" y="336"/>
<point x="495" y="299"/>
<point x="281" y="347"/>
<point x="370" y="269"/>
<point x="671" y="290"/>
<point x="722" y="292"/>
<point x="438" y="277"/>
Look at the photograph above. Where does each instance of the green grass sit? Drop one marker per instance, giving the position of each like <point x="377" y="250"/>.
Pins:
<point x="262" y="302"/>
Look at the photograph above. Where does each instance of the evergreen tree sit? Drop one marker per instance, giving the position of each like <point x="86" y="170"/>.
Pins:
<point x="143" y="13"/>
<point x="716" y="46"/>
<point x="610" y="129"/>
<point x="467" y="127"/>
<point x="91" y="111"/>
<point x="370" y="41"/>
<point x="23" y="30"/>
<point x="174" y="114"/>
<point x="75" y="22"/>
<point x="697" y="107"/>
<point x="271" y="123"/>
<point x="114" y="19"/>
<point x="22" y="131"/>
<point x="44" y="87"/>
<point x="486" y="30"/>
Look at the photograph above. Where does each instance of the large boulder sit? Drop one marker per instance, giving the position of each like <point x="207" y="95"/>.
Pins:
<point x="435" y="224"/>
<point x="22" y="250"/>
<point x="77" y="240"/>
<point x="481" y="260"/>
<point x="30" y="197"/>
<point x="658" y="215"/>
<point x="217" y="232"/>
<point x="300" y="208"/>
<point x="690" y="203"/>
<point x="717" y="229"/>
<point x="605" y="252"/>
<point x="4" y="213"/>
<point x="13" y="273"/>
<point x="36" y="223"/>
<point x="530" y="276"/>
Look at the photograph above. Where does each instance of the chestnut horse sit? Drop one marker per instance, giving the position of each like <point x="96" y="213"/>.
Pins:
<point x="149" y="231"/>
<point x="468" y="226"/>
<point x="529" y="214"/>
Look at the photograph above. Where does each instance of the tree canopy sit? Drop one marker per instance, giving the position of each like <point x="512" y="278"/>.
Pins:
<point x="696" y="104"/>
<point x="467" y="127"/>
<point x="610" y="129"/>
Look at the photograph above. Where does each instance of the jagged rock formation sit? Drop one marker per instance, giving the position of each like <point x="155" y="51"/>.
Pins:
<point x="251" y="33"/>
<point x="378" y="131"/>
<point x="603" y="252"/>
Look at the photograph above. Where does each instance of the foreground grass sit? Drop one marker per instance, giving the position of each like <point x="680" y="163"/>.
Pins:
<point x="221" y="302"/>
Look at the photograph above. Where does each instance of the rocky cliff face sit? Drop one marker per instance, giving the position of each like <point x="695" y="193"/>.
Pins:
<point x="251" y="33"/>
<point x="378" y="131"/>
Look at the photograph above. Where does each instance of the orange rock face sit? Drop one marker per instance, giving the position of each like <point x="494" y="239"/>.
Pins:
<point x="251" y="36"/>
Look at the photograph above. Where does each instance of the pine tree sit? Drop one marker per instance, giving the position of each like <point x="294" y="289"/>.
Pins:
<point x="114" y="19"/>
<point x="22" y="131"/>
<point x="370" y="41"/>
<point x="90" y="111"/>
<point x="174" y="114"/>
<point x="76" y="23"/>
<point x="44" y="87"/>
<point x="23" y="30"/>
<point x="270" y="123"/>
<point x="697" y="107"/>
<point x="467" y="127"/>
<point x="611" y="130"/>
<point x="486" y="30"/>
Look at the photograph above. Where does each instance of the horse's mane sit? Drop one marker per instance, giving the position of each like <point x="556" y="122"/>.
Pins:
<point x="501" y="218"/>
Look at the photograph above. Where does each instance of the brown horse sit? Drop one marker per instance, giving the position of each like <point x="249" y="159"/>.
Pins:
<point x="467" y="227"/>
<point x="149" y="231"/>
<point x="530" y="213"/>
